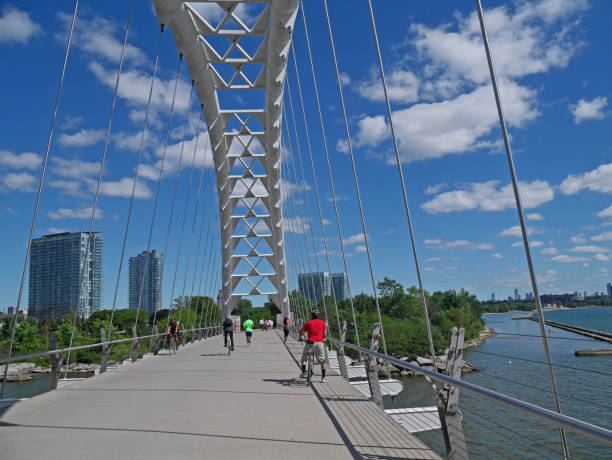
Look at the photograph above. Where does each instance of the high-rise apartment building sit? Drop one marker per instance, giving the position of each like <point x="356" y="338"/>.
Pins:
<point x="314" y="286"/>
<point x="340" y="285"/>
<point x="145" y="273"/>
<point x="609" y="287"/>
<point x="57" y="264"/>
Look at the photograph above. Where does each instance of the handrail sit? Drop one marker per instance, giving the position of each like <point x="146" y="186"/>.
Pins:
<point x="595" y="432"/>
<point x="93" y="345"/>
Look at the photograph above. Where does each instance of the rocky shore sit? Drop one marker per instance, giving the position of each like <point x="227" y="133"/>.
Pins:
<point x="427" y="362"/>
<point x="21" y="372"/>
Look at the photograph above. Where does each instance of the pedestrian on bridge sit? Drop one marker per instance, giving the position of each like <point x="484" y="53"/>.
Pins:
<point x="248" y="329"/>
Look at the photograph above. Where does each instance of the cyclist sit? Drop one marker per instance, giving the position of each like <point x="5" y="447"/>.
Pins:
<point x="248" y="329"/>
<point x="317" y="332"/>
<point x="173" y="331"/>
<point x="286" y="324"/>
<point x="228" y="329"/>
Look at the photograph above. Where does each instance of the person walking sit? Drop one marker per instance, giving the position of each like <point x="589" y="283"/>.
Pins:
<point x="248" y="329"/>
<point x="286" y="324"/>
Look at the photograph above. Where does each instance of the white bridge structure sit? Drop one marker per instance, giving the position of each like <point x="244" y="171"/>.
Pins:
<point x="231" y="57"/>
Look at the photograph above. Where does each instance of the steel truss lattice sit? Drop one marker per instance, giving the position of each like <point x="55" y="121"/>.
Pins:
<point x="245" y="142"/>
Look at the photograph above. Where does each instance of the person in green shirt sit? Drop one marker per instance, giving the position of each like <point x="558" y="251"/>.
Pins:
<point x="248" y="328"/>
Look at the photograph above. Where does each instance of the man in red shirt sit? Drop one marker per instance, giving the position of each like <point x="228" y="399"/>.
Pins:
<point x="317" y="332"/>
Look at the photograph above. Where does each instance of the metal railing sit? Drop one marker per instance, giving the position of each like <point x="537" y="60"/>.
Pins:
<point x="595" y="432"/>
<point x="99" y="344"/>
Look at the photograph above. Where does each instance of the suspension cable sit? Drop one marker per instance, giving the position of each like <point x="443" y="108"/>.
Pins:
<point x="134" y="182"/>
<point x="156" y="201"/>
<point x="90" y="242"/>
<point x="296" y="231"/>
<point x="403" y="185"/>
<point x="176" y="182"/>
<point x="195" y="214"/>
<point x="40" y="186"/>
<point x="205" y="251"/>
<point x="297" y="141"/>
<point x="519" y="209"/>
<point x="301" y="220"/>
<point x="357" y="192"/>
<point x="329" y="169"/>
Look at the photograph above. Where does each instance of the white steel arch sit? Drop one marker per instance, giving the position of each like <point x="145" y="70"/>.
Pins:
<point x="245" y="142"/>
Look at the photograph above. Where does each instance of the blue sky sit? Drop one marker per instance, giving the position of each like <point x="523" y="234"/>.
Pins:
<point x="554" y="76"/>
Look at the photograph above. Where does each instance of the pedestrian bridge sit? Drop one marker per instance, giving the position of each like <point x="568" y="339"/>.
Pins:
<point x="200" y="403"/>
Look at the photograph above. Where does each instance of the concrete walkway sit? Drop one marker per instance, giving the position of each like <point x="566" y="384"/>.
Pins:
<point x="196" y="404"/>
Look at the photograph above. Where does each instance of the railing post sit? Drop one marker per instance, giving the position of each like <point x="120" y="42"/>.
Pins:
<point x="105" y="351"/>
<point x="448" y="401"/>
<point x="155" y="340"/>
<point x="135" y="345"/>
<point x="371" y="370"/>
<point x="56" y="362"/>
<point x="184" y="337"/>
<point x="341" y="360"/>
<point x="193" y="333"/>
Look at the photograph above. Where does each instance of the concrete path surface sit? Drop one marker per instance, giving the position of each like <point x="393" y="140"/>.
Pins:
<point x="199" y="403"/>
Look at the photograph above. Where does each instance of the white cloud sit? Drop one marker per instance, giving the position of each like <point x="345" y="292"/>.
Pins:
<point x="550" y="251"/>
<point x="605" y="213"/>
<point x="497" y="255"/>
<point x="597" y="180"/>
<point x="589" y="248"/>
<point x="68" y="187"/>
<point x="134" y="87"/>
<point x="589" y="110"/>
<point x="534" y="216"/>
<point x="342" y="146"/>
<point x="345" y="79"/>
<point x="449" y="76"/>
<point x="605" y="236"/>
<point x="435" y="189"/>
<point x="360" y="248"/>
<point x="25" y="160"/>
<point x="295" y="225"/>
<point x="402" y="86"/>
<point x="74" y="169"/>
<point x="371" y="130"/>
<point x="96" y="37"/>
<point x="563" y="258"/>
<point x="354" y="239"/>
<point x="578" y="239"/>
<point x="16" y="26"/>
<point x="486" y="196"/>
<point x="457" y="244"/>
<point x="67" y="213"/>
<point x="22" y="182"/>
<point x="123" y="188"/>
<point x="514" y="231"/>
<point x="529" y="40"/>
<point x="601" y="257"/>
<point x="434" y="259"/>
<point x="82" y="138"/>
<point x="455" y="126"/>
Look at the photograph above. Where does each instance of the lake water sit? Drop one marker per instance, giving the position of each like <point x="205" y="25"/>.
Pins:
<point x="493" y="431"/>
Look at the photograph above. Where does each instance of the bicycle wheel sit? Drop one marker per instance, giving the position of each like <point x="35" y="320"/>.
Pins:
<point x="309" y="371"/>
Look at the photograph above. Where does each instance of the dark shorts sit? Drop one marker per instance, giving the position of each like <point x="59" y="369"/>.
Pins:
<point x="249" y="333"/>
<point x="286" y="331"/>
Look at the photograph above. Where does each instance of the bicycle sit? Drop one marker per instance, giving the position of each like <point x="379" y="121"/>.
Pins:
<point x="172" y="344"/>
<point x="309" y="367"/>
<point x="228" y="342"/>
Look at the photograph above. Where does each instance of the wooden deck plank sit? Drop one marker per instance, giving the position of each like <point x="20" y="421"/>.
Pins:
<point x="368" y="429"/>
